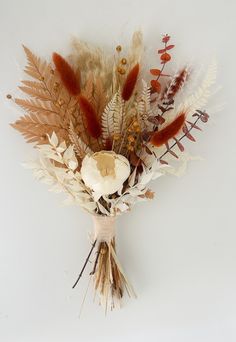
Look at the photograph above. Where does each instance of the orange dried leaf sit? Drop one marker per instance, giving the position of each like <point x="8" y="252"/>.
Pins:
<point x="169" y="47"/>
<point x="90" y="116"/>
<point x="130" y="83"/>
<point x="156" y="86"/>
<point x="170" y="131"/>
<point x="166" y="38"/>
<point x="161" y="51"/>
<point x="67" y="74"/>
<point x="165" y="57"/>
<point x="155" y="72"/>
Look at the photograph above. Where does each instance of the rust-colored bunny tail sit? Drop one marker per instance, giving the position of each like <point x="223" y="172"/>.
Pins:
<point x="67" y="74"/>
<point x="90" y="117"/>
<point x="170" y="131"/>
<point x="130" y="83"/>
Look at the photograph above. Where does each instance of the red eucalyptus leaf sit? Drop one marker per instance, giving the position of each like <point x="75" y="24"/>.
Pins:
<point x="163" y="162"/>
<point x="169" y="47"/>
<point x="185" y="129"/>
<point x="193" y="125"/>
<point x="165" y="57"/>
<point x="166" y="38"/>
<point x="156" y="86"/>
<point x="148" y="150"/>
<point x="134" y="159"/>
<point x="156" y="120"/>
<point x="204" y="117"/>
<point x="173" y="154"/>
<point x="161" y="51"/>
<point x="190" y="137"/>
<point x="180" y="145"/>
<point x="155" y="72"/>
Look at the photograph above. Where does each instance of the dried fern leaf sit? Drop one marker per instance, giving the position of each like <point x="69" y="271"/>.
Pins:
<point x="37" y="93"/>
<point x="107" y="119"/>
<point x="36" y="106"/>
<point x="35" y="67"/>
<point x="99" y="96"/>
<point x="89" y="88"/>
<point x="35" y="127"/>
<point x="34" y="85"/>
<point x="118" y="114"/>
<point x="143" y="106"/>
<point x="81" y="149"/>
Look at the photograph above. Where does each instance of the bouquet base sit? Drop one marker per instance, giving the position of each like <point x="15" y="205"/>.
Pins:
<point x="110" y="281"/>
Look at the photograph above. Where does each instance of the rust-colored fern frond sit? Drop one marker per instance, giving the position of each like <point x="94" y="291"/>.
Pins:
<point x="130" y="83"/>
<point x="35" y="66"/>
<point x="161" y="137"/>
<point x="67" y="74"/>
<point x="90" y="117"/>
<point x="35" y="127"/>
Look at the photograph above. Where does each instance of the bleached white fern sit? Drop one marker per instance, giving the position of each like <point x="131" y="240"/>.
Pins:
<point x="199" y="98"/>
<point x="143" y="105"/>
<point x="118" y="114"/>
<point x="107" y="119"/>
<point x="64" y="178"/>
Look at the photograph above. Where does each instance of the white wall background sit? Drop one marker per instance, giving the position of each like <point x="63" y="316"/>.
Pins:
<point x="178" y="250"/>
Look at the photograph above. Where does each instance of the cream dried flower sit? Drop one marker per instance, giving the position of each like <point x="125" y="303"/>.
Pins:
<point x="105" y="172"/>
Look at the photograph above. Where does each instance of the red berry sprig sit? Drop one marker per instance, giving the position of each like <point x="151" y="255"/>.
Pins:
<point x="165" y="57"/>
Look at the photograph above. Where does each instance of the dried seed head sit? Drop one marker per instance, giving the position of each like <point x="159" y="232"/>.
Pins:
<point x="121" y="70"/>
<point x="124" y="61"/>
<point x="118" y="48"/>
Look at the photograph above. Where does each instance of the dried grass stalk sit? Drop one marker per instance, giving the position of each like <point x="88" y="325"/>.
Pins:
<point x="109" y="279"/>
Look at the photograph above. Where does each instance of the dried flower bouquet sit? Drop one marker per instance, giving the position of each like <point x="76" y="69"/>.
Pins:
<point x="103" y="133"/>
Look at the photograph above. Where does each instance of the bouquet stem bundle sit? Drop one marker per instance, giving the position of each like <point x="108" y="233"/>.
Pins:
<point x="110" y="282"/>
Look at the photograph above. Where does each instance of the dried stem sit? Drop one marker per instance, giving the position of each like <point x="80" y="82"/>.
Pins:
<point x="85" y="264"/>
<point x="96" y="260"/>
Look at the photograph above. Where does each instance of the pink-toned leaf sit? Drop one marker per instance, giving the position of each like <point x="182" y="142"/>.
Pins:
<point x="173" y="154"/>
<point x="204" y="117"/>
<point x="169" y="47"/>
<point x="161" y="51"/>
<point x="155" y="72"/>
<point x="156" y="86"/>
<point x="190" y="137"/>
<point x="185" y="129"/>
<point x="193" y="125"/>
<point x="180" y="145"/>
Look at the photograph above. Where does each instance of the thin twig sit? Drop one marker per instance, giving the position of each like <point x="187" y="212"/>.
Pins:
<point x="86" y="261"/>
<point x="96" y="260"/>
